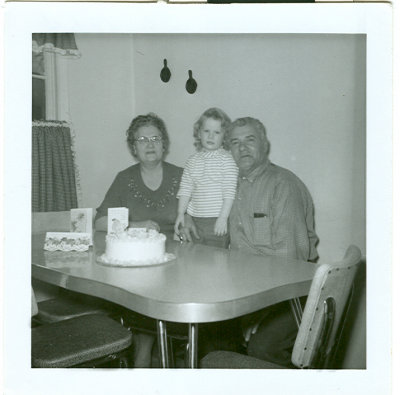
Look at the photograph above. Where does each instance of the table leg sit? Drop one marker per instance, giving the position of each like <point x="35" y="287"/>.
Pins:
<point x="193" y="335"/>
<point x="163" y="343"/>
<point x="297" y="310"/>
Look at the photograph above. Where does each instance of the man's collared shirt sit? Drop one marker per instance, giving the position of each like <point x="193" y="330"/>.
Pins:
<point x="273" y="214"/>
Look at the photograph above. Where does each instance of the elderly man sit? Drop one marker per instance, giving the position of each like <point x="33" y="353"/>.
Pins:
<point x="273" y="212"/>
<point x="272" y="215"/>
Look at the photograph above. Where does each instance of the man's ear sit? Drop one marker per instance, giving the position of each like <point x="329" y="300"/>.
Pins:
<point x="266" y="146"/>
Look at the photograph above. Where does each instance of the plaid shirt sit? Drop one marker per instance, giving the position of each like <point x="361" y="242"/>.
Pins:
<point x="273" y="214"/>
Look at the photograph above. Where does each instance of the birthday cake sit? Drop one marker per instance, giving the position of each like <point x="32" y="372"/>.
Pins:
<point x="135" y="247"/>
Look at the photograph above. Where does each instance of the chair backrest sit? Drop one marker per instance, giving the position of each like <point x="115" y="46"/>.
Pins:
<point x="51" y="221"/>
<point x="325" y="310"/>
<point x="34" y="305"/>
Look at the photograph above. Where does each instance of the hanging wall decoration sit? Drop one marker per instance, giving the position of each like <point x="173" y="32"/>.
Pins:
<point x="165" y="74"/>
<point x="191" y="84"/>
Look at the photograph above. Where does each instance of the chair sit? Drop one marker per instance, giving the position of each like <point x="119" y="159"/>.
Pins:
<point x="64" y="308"/>
<point x="84" y="341"/>
<point x="60" y="305"/>
<point x="321" y="324"/>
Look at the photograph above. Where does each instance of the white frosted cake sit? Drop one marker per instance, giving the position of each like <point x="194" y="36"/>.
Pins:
<point x="135" y="246"/>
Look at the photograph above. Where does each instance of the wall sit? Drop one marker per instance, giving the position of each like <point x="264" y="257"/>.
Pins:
<point x="101" y="107"/>
<point x="309" y="90"/>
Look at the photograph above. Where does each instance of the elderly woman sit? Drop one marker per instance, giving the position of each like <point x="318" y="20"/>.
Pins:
<point x="148" y="189"/>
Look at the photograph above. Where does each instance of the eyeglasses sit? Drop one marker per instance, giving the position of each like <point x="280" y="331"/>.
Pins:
<point x="145" y="140"/>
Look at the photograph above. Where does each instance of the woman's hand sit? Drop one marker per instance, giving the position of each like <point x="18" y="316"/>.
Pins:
<point x="152" y="225"/>
<point x="148" y="224"/>
<point x="180" y="222"/>
<point x="221" y="226"/>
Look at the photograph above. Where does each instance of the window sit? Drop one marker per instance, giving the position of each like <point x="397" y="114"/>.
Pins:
<point x="49" y="86"/>
<point x="38" y="87"/>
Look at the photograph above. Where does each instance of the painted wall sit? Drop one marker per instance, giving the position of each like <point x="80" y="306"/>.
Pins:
<point x="309" y="90"/>
<point x="101" y="103"/>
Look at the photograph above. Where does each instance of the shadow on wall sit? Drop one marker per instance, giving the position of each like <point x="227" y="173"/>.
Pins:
<point x="352" y="348"/>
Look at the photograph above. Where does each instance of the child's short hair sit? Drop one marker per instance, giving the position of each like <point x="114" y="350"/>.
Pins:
<point x="214" y="113"/>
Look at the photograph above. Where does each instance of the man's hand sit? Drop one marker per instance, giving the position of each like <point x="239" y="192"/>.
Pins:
<point x="221" y="226"/>
<point x="251" y="323"/>
<point x="250" y="330"/>
<point x="188" y="230"/>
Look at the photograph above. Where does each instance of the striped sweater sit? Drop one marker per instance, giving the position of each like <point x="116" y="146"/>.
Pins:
<point x="209" y="177"/>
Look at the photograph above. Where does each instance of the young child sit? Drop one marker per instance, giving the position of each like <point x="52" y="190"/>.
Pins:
<point x="208" y="184"/>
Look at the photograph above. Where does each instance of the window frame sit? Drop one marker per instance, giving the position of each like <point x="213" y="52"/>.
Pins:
<point x="56" y="86"/>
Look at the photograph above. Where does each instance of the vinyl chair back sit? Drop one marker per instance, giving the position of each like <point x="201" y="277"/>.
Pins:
<point x="34" y="305"/>
<point x="64" y="308"/>
<point x="325" y="311"/>
<point x="85" y="341"/>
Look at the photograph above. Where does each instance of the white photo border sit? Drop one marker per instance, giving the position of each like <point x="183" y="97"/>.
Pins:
<point x="23" y="19"/>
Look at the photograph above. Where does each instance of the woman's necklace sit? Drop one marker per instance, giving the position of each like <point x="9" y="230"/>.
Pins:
<point x="159" y="200"/>
<point x="152" y="177"/>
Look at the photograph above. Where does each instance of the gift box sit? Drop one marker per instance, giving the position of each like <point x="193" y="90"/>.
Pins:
<point x="67" y="241"/>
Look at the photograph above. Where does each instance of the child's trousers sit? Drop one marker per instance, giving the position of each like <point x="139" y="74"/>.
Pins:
<point x="205" y="229"/>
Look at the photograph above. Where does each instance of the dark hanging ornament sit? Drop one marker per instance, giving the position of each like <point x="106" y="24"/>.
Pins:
<point x="165" y="74"/>
<point x="191" y="84"/>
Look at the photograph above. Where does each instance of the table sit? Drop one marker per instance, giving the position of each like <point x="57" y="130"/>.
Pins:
<point x="203" y="284"/>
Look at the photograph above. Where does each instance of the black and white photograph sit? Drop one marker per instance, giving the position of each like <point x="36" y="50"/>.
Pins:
<point x="208" y="192"/>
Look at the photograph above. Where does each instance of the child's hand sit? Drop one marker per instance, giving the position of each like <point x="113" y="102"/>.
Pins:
<point x="180" y="221"/>
<point x="221" y="226"/>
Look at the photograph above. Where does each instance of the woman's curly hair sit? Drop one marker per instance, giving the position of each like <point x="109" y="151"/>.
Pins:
<point x="146" y="120"/>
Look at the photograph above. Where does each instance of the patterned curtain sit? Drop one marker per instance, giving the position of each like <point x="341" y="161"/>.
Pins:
<point x="61" y="43"/>
<point x="53" y="168"/>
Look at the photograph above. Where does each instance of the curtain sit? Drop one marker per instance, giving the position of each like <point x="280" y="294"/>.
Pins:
<point x="53" y="169"/>
<point x="61" y="43"/>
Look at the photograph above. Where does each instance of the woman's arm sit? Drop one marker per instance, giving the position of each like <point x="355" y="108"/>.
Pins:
<point x="112" y="198"/>
<point x="101" y="224"/>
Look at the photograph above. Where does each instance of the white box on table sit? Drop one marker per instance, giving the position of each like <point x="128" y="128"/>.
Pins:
<point x="67" y="241"/>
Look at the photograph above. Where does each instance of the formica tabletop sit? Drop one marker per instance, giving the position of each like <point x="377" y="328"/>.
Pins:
<point x="203" y="284"/>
